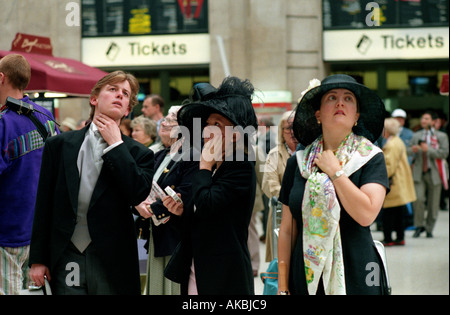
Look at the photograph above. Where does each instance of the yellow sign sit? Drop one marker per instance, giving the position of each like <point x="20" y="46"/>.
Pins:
<point x="140" y="21"/>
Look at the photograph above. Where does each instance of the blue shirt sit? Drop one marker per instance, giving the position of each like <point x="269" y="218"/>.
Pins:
<point x="406" y="135"/>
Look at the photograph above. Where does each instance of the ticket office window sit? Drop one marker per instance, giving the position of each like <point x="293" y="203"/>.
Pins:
<point x="175" y="90"/>
<point x="138" y="17"/>
<point x="399" y="81"/>
<point x="411" y="89"/>
<point x="353" y="14"/>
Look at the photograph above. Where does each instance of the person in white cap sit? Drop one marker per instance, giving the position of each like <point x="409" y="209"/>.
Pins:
<point x="405" y="134"/>
<point x="68" y="124"/>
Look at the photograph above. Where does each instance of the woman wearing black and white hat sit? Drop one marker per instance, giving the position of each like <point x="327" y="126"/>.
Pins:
<point x="213" y="256"/>
<point x="332" y="191"/>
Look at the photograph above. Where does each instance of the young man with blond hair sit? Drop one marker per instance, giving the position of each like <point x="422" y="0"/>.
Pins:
<point x="83" y="237"/>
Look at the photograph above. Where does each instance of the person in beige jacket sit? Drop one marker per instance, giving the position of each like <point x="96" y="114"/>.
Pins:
<point x="274" y="171"/>
<point x="402" y="189"/>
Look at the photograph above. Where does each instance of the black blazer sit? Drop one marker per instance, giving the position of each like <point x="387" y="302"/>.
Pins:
<point x="177" y="175"/>
<point x="216" y="233"/>
<point x="125" y="180"/>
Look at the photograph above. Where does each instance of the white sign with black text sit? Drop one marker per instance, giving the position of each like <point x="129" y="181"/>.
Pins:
<point x="386" y="44"/>
<point x="156" y="50"/>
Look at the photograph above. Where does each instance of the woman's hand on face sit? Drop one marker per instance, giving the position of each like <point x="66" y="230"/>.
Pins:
<point x="212" y="153"/>
<point x="328" y="162"/>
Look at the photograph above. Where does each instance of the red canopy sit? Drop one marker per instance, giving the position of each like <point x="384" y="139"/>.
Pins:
<point x="62" y="75"/>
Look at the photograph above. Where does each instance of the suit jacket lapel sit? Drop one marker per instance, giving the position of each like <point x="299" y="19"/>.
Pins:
<point x="166" y="171"/>
<point x="100" y="187"/>
<point x="102" y="183"/>
<point x="70" y="155"/>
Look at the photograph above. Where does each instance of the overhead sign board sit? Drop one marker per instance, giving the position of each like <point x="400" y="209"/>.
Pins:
<point x="32" y="44"/>
<point x="386" y="44"/>
<point x="158" y="50"/>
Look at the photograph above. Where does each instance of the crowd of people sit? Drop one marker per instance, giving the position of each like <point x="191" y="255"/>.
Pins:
<point x="97" y="191"/>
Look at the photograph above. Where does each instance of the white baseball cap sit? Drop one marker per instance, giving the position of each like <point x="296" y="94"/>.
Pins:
<point x="399" y="113"/>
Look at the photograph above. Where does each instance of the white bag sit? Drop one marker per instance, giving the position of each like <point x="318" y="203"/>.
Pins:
<point x="35" y="290"/>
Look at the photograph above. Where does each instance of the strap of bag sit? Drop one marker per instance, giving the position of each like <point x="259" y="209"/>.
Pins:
<point x="46" y="288"/>
<point x="40" y="127"/>
<point x="24" y="108"/>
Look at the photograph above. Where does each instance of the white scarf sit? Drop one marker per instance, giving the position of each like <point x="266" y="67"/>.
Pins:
<point x="322" y="246"/>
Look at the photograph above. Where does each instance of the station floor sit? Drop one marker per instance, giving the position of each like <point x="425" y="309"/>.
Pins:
<point x="421" y="267"/>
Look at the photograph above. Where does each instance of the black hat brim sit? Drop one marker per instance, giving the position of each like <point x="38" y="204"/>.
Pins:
<point x="201" y="110"/>
<point x="371" y="108"/>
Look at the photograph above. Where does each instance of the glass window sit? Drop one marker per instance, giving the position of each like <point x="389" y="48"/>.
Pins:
<point x="136" y="17"/>
<point x="350" y="14"/>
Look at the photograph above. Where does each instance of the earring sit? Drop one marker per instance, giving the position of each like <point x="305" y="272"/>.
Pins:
<point x="318" y="122"/>
<point x="356" y="123"/>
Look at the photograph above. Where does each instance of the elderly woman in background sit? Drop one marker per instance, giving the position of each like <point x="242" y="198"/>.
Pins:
<point x="274" y="170"/>
<point x="401" y="184"/>
<point x="125" y="127"/>
<point x="144" y="130"/>
<point x="175" y="169"/>
<point x="165" y="130"/>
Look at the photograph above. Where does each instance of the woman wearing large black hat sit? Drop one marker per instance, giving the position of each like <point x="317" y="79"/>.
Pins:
<point x="332" y="191"/>
<point x="213" y="256"/>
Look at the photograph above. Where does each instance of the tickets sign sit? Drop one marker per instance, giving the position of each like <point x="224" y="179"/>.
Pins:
<point x="386" y="44"/>
<point x="158" y="50"/>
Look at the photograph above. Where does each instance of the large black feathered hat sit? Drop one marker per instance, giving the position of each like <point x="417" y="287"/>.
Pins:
<point x="233" y="100"/>
<point x="371" y="109"/>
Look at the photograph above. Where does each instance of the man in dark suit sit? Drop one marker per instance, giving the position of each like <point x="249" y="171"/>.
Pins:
<point x="83" y="236"/>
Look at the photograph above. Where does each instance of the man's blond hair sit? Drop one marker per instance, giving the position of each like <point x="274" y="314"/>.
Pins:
<point x="17" y="69"/>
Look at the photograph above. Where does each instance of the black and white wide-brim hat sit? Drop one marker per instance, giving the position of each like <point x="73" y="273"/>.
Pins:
<point x="371" y="109"/>
<point x="232" y="100"/>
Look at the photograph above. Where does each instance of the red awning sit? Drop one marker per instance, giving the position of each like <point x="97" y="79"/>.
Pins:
<point x="444" y="85"/>
<point x="62" y="75"/>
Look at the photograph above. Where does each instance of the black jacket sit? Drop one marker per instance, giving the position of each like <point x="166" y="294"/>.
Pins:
<point x="177" y="175"/>
<point x="125" y="180"/>
<point x="216" y="232"/>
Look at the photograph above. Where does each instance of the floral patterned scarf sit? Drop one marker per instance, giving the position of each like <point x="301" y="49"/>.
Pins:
<point x="322" y="246"/>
